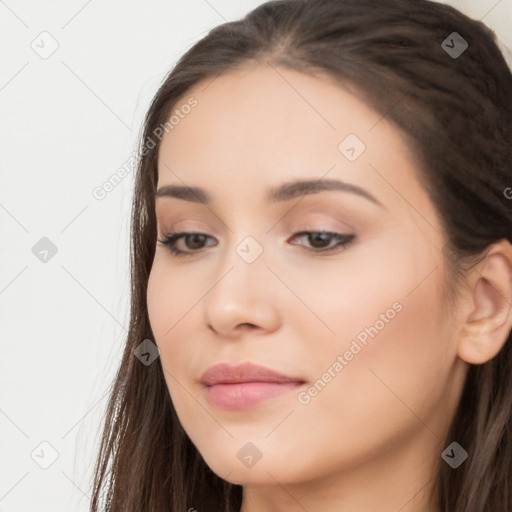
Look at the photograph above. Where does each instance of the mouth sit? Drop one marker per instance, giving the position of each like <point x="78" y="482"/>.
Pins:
<point x="245" y="385"/>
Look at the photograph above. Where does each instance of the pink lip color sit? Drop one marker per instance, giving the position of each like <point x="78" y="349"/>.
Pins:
<point x="245" y="385"/>
<point x="246" y="394"/>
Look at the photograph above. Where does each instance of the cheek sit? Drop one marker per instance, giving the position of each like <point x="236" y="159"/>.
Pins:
<point x="353" y="292"/>
<point x="165" y="298"/>
<point x="386" y="327"/>
<point x="397" y="372"/>
<point x="372" y="281"/>
<point x="173" y="311"/>
<point x="169" y="296"/>
<point x="175" y="321"/>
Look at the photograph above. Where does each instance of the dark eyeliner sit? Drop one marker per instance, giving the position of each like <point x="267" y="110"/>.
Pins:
<point x="170" y="240"/>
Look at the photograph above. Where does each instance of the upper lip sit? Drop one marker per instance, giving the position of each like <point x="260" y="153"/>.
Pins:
<point x="246" y="372"/>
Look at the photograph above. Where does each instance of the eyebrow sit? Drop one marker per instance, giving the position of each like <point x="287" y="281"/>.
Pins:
<point x="284" y="192"/>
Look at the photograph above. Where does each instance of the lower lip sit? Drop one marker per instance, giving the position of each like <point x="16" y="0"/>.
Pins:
<point x="247" y="394"/>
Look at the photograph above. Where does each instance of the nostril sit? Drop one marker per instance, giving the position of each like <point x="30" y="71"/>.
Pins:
<point x="247" y="325"/>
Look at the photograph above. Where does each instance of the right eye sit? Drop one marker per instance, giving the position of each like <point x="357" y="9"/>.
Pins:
<point x="193" y="240"/>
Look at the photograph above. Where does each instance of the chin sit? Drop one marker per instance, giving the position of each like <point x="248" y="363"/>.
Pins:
<point x="264" y="471"/>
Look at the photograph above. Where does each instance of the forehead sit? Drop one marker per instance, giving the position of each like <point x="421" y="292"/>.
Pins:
<point x="277" y="109"/>
<point x="262" y="125"/>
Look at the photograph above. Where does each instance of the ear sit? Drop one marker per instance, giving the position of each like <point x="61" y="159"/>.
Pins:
<point x="487" y="319"/>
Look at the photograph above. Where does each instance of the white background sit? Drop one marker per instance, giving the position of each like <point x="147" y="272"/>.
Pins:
<point x="68" y="122"/>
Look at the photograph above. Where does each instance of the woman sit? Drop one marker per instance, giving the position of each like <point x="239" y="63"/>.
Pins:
<point x="321" y="270"/>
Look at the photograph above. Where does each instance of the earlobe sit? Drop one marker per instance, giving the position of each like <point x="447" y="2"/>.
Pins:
<point x="488" y="321"/>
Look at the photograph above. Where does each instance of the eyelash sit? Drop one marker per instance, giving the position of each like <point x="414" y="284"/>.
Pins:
<point x="170" y="240"/>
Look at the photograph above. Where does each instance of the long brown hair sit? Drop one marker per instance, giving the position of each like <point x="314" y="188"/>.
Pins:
<point x="456" y="113"/>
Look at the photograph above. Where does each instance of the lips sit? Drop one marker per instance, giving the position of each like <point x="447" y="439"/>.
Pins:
<point x="245" y="385"/>
<point x="245" y="372"/>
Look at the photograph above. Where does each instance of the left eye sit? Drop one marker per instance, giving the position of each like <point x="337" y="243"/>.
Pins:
<point x="321" y="239"/>
<point x="318" y="239"/>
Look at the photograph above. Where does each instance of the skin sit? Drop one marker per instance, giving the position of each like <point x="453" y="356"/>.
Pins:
<point x="372" y="438"/>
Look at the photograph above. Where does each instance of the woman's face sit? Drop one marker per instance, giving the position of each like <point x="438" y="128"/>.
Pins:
<point x="360" y="329"/>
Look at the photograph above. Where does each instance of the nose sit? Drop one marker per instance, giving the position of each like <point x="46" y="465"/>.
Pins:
<point x="244" y="297"/>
